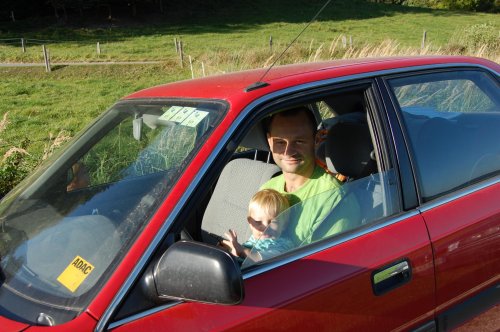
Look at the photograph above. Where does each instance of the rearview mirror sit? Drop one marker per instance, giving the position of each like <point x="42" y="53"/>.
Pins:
<point x="194" y="271"/>
<point x="137" y="128"/>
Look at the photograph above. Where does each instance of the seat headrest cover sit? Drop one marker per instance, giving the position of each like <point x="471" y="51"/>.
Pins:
<point x="349" y="146"/>
<point x="256" y="138"/>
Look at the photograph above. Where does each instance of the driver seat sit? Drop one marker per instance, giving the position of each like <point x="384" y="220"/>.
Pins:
<point x="239" y="181"/>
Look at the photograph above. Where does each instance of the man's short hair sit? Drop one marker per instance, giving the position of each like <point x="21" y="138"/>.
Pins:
<point x="293" y="112"/>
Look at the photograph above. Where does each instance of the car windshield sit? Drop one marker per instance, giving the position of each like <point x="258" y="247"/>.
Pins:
<point x="66" y="227"/>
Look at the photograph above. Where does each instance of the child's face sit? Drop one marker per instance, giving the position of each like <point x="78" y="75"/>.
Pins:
<point x="259" y="221"/>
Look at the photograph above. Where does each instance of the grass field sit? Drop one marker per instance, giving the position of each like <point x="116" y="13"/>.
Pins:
<point x="36" y="106"/>
<point x="246" y="26"/>
<point x="39" y="104"/>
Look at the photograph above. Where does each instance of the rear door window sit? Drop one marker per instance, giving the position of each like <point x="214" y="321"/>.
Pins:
<point x="452" y="120"/>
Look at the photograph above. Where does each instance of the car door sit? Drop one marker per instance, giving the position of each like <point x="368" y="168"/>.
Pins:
<point x="331" y="289"/>
<point x="452" y="119"/>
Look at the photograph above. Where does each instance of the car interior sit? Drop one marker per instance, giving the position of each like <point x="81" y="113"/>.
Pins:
<point x="347" y="148"/>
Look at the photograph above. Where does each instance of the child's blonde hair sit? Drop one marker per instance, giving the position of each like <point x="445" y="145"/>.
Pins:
<point x="268" y="200"/>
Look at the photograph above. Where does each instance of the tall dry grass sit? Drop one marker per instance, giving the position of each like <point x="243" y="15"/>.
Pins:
<point x="339" y="48"/>
<point x="17" y="162"/>
<point x="54" y="143"/>
<point x="12" y="150"/>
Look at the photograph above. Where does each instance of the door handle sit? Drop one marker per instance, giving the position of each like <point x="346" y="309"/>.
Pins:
<point x="391" y="276"/>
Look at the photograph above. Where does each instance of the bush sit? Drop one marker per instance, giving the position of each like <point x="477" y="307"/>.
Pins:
<point x="16" y="163"/>
<point x="474" y="5"/>
<point x="14" y="166"/>
<point x="480" y="35"/>
<point x="424" y="3"/>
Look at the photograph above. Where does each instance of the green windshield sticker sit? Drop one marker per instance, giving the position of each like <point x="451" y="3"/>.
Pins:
<point x="194" y="118"/>
<point x="182" y="114"/>
<point x="170" y="113"/>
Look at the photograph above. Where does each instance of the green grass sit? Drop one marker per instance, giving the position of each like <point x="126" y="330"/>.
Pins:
<point x="39" y="104"/>
<point x="241" y="26"/>
<point x="42" y="105"/>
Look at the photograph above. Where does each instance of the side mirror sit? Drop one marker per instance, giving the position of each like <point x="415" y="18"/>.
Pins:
<point x="194" y="271"/>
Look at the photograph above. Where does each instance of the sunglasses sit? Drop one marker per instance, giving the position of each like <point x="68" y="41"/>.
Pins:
<point x="259" y="225"/>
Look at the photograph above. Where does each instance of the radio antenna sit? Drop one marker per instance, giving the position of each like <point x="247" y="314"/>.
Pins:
<point x="259" y="83"/>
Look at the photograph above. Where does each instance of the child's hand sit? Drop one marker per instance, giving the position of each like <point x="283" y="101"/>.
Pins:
<point x="232" y="243"/>
<point x="231" y="235"/>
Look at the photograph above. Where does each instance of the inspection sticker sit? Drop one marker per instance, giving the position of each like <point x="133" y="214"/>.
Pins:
<point x="194" y="118"/>
<point x="76" y="272"/>
<point x="169" y="113"/>
<point x="182" y="114"/>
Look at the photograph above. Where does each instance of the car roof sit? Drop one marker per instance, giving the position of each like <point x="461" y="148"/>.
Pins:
<point x="232" y="86"/>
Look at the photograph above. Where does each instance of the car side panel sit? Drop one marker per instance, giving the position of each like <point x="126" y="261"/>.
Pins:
<point x="330" y="290"/>
<point x="11" y="326"/>
<point x="465" y="235"/>
<point x="84" y="322"/>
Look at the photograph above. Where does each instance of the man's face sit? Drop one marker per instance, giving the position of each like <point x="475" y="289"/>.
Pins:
<point x="291" y="140"/>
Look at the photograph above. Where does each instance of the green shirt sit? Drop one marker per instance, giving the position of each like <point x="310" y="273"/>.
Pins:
<point x="320" y="209"/>
<point x="319" y="182"/>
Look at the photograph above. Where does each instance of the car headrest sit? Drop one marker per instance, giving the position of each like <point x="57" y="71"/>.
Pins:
<point x="348" y="146"/>
<point x="256" y="138"/>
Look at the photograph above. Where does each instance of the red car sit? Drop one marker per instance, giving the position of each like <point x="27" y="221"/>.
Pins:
<point x="119" y="231"/>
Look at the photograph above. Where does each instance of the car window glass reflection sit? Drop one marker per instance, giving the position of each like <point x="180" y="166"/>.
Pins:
<point x="452" y="120"/>
<point x="331" y="213"/>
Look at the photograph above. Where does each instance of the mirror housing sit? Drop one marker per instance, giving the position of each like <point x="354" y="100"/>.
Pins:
<point x="194" y="271"/>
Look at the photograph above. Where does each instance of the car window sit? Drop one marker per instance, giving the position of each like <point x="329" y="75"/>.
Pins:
<point x="162" y="145"/>
<point x="365" y="192"/>
<point x="452" y="121"/>
<point x="353" y="205"/>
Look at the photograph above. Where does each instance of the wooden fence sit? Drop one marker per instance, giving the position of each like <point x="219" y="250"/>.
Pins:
<point x="346" y="42"/>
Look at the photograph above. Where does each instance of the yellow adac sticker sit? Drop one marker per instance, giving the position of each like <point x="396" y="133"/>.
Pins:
<point x="76" y="272"/>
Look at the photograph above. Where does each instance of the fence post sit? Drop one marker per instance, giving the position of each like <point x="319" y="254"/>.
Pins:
<point x="23" y="45"/>
<point x="46" y="59"/>
<point x="344" y="41"/>
<point x="271" y="43"/>
<point x="176" y="44"/>
<point x="98" y="48"/>
<point x="191" y="66"/>
<point x="203" y="68"/>
<point x="350" y="41"/>
<point x="12" y="16"/>
<point x="424" y="37"/>
<point x="181" y="54"/>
